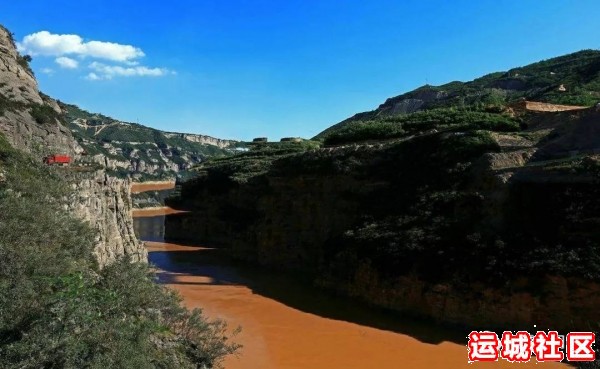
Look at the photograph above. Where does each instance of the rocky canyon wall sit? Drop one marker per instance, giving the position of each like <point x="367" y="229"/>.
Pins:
<point x="105" y="203"/>
<point x="399" y="229"/>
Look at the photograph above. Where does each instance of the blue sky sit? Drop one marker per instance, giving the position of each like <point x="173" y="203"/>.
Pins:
<point x="241" y="69"/>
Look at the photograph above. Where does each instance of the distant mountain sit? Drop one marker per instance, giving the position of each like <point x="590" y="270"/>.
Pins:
<point x="139" y="150"/>
<point x="572" y="79"/>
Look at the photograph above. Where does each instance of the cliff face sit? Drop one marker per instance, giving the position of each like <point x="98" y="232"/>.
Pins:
<point x="17" y="79"/>
<point x="279" y="222"/>
<point x="203" y="139"/>
<point x="105" y="203"/>
<point x="465" y="227"/>
<point x="32" y="122"/>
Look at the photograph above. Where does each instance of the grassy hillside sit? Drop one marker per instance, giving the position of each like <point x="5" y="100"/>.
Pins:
<point x="434" y="120"/>
<point x="577" y="73"/>
<point x="58" y="310"/>
<point x="258" y="160"/>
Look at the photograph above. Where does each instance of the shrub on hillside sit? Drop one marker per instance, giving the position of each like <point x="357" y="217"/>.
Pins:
<point x="44" y="114"/>
<point x="24" y="61"/>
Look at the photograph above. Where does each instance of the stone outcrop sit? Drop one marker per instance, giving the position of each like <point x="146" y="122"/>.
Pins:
<point x="40" y="140"/>
<point x="407" y="105"/>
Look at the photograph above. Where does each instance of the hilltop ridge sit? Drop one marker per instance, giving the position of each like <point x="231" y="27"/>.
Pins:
<point x="572" y="79"/>
<point x="144" y="152"/>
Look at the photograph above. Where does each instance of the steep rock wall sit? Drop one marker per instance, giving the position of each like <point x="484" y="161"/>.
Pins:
<point x="17" y="82"/>
<point x="105" y="203"/>
<point x="19" y="93"/>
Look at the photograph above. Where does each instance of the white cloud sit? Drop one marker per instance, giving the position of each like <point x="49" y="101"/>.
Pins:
<point x="48" y="71"/>
<point x="103" y="71"/>
<point x="93" y="77"/>
<point x="67" y="63"/>
<point x="46" y="43"/>
<point x="65" y="47"/>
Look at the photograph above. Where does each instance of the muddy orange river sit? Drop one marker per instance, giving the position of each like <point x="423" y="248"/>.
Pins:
<point x="137" y="187"/>
<point x="153" y="212"/>
<point x="288" y="325"/>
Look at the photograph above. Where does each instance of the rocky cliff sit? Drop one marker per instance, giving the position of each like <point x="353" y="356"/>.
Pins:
<point x="32" y="122"/>
<point x="18" y="79"/>
<point x="105" y="203"/>
<point x="21" y="102"/>
<point x="202" y="139"/>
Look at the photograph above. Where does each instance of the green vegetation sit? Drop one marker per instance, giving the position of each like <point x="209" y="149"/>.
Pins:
<point x="432" y="221"/>
<point x="9" y="105"/>
<point x="255" y="162"/>
<point x="424" y="206"/>
<point x="442" y="119"/>
<point x="45" y="114"/>
<point x="59" y="310"/>
<point x="24" y="61"/>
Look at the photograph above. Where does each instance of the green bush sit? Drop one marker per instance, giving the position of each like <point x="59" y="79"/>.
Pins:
<point x="363" y="131"/>
<point x="24" y="61"/>
<point x="258" y="160"/>
<point x="8" y="104"/>
<point x="44" y="114"/>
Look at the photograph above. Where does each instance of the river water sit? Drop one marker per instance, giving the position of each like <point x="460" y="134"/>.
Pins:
<point x="287" y="325"/>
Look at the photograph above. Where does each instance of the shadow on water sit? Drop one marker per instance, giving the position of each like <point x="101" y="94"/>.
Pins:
<point x="150" y="228"/>
<point x="296" y="292"/>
